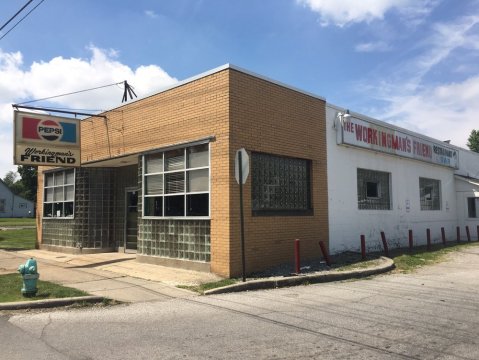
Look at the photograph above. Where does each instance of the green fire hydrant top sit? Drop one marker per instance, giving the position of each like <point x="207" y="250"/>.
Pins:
<point x="30" y="277"/>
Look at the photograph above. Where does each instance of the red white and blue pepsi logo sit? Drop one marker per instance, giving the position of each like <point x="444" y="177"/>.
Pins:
<point x="50" y="130"/>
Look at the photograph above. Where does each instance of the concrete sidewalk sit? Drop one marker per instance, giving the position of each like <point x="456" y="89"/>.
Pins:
<point x="116" y="276"/>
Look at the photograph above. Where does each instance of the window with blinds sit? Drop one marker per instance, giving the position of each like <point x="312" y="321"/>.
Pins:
<point x="59" y="194"/>
<point x="176" y="183"/>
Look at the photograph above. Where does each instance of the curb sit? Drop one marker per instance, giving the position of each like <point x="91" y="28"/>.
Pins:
<point x="277" y="282"/>
<point x="48" y="303"/>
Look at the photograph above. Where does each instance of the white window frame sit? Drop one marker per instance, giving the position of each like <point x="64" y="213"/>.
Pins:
<point x="55" y="172"/>
<point x="184" y="193"/>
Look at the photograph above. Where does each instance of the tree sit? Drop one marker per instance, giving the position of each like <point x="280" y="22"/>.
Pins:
<point x="473" y="141"/>
<point x="10" y="178"/>
<point x="26" y="186"/>
<point x="28" y="181"/>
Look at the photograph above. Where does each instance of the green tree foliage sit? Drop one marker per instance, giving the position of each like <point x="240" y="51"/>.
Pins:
<point x="26" y="186"/>
<point x="473" y="141"/>
<point x="28" y="180"/>
<point x="10" y="178"/>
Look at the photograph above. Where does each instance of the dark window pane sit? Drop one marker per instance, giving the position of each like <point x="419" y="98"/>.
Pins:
<point x="471" y="207"/>
<point x="175" y="205"/>
<point x="197" y="205"/>
<point x="372" y="189"/>
<point x="154" y="206"/>
<point x="48" y="210"/>
<point x="58" y="209"/>
<point x="68" y="209"/>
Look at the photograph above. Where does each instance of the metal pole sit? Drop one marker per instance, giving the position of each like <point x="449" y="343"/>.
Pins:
<point x="297" y="259"/>
<point x="240" y="164"/>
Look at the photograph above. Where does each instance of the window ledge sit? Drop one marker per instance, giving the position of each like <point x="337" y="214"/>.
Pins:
<point x="309" y="212"/>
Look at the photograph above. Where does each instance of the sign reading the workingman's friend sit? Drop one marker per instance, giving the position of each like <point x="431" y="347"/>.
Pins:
<point x="368" y="135"/>
<point x="44" y="140"/>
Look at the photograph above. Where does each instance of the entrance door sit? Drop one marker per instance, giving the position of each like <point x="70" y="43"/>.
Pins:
<point x="131" y="221"/>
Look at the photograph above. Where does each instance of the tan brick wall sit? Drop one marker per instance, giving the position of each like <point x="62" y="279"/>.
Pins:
<point x="266" y="117"/>
<point x="239" y="111"/>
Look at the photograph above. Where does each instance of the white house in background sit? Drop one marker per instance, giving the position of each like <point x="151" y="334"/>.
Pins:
<point x="385" y="178"/>
<point x="12" y="205"/>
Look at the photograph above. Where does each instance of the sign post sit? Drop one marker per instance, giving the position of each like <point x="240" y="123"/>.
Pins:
<point x="241" y="174"/>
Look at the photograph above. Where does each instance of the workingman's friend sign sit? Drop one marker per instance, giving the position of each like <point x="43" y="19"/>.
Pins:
<point x="44" y="140"/>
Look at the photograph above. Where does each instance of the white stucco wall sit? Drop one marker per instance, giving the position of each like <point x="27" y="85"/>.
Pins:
<point x="347" y="222"/>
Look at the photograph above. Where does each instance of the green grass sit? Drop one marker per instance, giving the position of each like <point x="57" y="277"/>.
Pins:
<point x="21" y="239"/>
<point x="12" y="222"/>
<point x="208" y="286"/>
<point x="419" y="257"/>
<point x="11" y="284"/>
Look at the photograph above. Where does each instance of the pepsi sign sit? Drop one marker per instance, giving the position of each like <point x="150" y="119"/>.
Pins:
<point x="46" y="140"/>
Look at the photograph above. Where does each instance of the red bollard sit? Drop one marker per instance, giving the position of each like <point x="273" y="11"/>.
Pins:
<point x="411" y="240"/>
<point x="297" y="259"/>
<point x="428" y="235"/>
<point x="468" y="234"/>
<point x="363" y="247"/>
<point x="443" y="236"/>
<point x="458" y="233"/>
<point x="325" y="253"/>
<point x="385" y="244"/>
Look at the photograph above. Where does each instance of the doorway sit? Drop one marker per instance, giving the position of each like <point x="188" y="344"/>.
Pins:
<point x="131" y="220"/>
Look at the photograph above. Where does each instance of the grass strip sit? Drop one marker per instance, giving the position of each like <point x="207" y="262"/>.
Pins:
<point x="11" y="285"/>
<point x="208" y="286"/>
<point x="12" y="222"/>
<point x="420" y="256"/>
<point x="18" y="239"/>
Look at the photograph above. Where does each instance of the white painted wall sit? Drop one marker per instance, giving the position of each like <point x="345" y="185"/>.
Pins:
<point x="347" y="222"/>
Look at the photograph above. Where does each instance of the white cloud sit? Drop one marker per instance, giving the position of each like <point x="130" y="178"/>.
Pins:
<point x="377" y="46"/>
<point x="418" y="98"/>
<point x="446" y="112"/>
<point x="64" y="75"/>
<point x="346" y="12"/>
<point x="151" y="14"/>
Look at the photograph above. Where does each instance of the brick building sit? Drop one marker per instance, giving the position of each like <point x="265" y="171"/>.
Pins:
<point x="157" y="177"/>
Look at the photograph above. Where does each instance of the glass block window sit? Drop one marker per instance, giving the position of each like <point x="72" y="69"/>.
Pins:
<point x="2" y="205"/>
<point x="374" y="190"/>
<point x="176" y="183"/>
<point x="59" y="194"/>
<point x="430" y="194"/>
<point x="473" y="207"/>
<point x="280" y="184"/>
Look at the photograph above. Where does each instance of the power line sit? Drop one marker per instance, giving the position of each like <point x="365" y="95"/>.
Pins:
<point x="14" y="16"/>
<point x="72" y="93"/>
<point x="19" y="21"/>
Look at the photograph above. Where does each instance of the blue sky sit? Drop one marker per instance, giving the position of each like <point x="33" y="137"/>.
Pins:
<point x="414" y="63"/>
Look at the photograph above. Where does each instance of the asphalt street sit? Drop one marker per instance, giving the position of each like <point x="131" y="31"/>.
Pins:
<point x="429" y="314"/>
